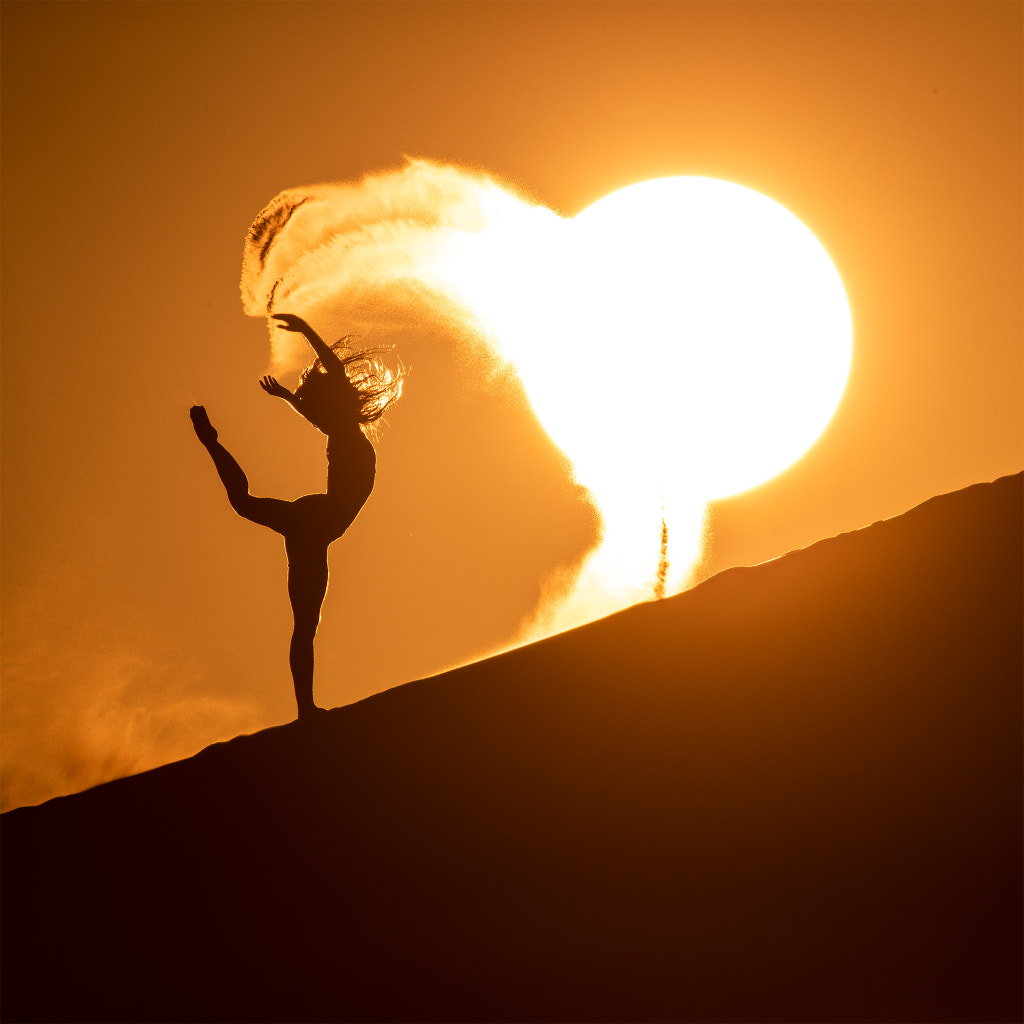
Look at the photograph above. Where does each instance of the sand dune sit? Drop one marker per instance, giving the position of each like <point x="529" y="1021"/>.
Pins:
<point x="792" y="793"/>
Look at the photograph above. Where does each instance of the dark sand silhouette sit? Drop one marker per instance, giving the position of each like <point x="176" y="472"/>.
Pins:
<point x="790" y="794"/>
<point x="337" y="405"/>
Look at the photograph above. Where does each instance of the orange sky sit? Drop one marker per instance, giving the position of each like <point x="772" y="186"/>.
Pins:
<point x="141" y="619"/>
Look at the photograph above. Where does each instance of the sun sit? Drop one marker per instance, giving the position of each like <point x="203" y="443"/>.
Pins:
<point x="682" y="339"/>
<point x="707" y="316"/>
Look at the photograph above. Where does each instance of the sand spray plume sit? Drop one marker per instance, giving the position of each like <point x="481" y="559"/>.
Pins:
<point x="428" y="243"/>
<point x="357" y="252"/>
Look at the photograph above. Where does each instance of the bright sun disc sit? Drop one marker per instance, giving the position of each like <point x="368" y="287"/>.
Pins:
<point x="711" y="317"/>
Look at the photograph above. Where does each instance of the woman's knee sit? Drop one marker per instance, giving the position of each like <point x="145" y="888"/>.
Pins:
<point x="304" y="634"/>
<point x="306" y="616"/>
<point x="242" y="502"/>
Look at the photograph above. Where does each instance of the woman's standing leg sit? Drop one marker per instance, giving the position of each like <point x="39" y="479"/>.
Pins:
<point x="307" y="586"/>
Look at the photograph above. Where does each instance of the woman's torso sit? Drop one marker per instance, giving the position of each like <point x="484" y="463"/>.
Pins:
<point x="351" y="470"/>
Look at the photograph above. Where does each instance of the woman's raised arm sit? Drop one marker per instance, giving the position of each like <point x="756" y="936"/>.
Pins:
<point x="327" y="356"/>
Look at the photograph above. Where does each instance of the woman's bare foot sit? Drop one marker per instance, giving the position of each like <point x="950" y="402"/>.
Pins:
<point x="203" y="427"/>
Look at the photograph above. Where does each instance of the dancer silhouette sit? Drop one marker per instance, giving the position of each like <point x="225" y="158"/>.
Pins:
<point x="338" y="394"/>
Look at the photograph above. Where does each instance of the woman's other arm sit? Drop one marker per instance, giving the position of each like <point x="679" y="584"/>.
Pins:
<point x="272" y="387"/>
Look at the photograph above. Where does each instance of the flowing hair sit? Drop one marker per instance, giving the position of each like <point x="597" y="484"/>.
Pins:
<point x="375" y="387"/>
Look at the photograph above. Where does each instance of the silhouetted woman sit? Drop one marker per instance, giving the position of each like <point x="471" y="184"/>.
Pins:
<point x="338" y="394"/>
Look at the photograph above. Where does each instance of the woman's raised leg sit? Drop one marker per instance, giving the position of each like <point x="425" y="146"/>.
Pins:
<point x="270" y="512"/>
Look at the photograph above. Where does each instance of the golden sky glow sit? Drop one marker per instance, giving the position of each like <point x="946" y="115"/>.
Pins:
<point x="142" y="620"/>
<point x="681" y="340"/>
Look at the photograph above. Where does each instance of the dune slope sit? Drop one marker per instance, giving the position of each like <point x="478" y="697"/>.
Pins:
<point x="793" y="793"/>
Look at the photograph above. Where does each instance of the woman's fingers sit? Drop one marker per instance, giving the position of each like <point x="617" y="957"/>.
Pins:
<point x="272" y="387"/>
<point x="289" y="321"/>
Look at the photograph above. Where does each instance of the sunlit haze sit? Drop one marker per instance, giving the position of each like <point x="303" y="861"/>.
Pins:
<point x="681" y="340"/>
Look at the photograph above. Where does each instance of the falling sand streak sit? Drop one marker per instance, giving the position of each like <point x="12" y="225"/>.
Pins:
<point x="662" y="574"/>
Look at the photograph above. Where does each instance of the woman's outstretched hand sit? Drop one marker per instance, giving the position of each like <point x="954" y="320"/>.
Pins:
<point x="328" y="358"/>
<point x="291" y="322"/>
<point x="273" y="387"/>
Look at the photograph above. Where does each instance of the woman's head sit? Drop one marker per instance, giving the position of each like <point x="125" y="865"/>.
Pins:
<point x="366" y="391"/>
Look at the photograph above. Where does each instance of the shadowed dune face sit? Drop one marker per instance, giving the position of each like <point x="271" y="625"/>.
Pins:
<point x="790" y="794"/>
